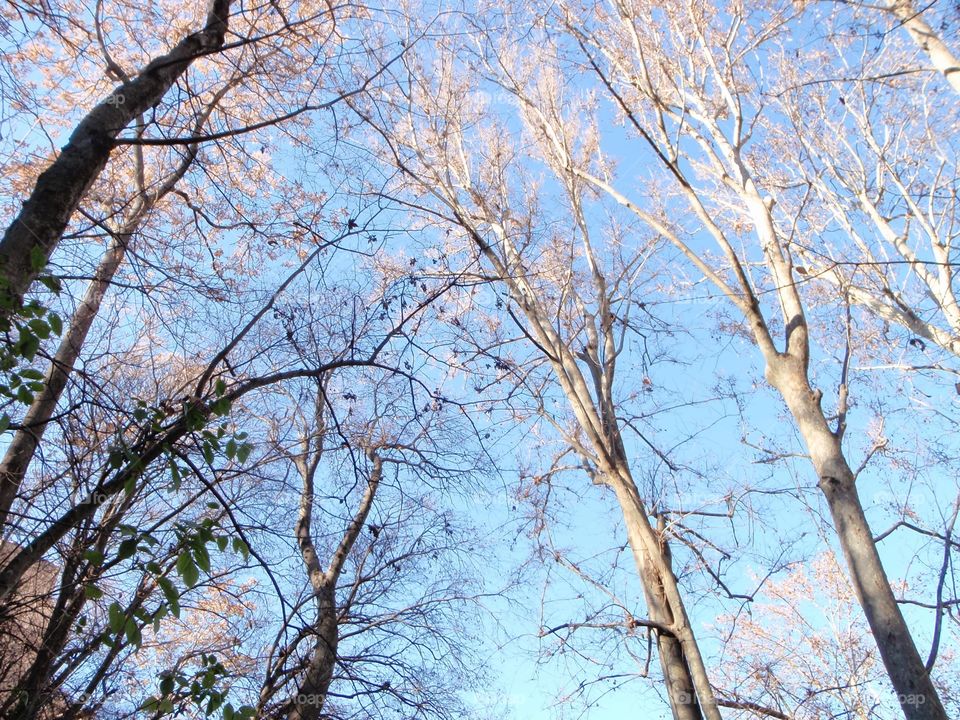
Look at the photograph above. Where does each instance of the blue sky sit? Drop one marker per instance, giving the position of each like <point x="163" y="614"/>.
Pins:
<point x="713" y="437"/>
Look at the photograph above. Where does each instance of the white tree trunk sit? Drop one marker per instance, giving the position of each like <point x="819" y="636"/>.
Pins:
<point x="942" y="59"/>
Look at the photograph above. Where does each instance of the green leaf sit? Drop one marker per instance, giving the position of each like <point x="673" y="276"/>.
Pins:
<point x="209" y="680"/>
<point x="231" y="449"/>
<point x="94" y="557"/>
<point x="220" y="387"/>
<point x="220" y="407"/>
<point x="56" y="324"/>
<point x="92" y="592"/>
<point x="166" y="685"/>
<point x="202" y="556"/>
<point x="32" y="374"/>
<point x="228" y="713"/>
<point x="33" y="309"/>
<point x="222" y="543"/>
<point x="243" y="452"/>
<point x="132" y="631"/>
<point x="188" y="571"/>
<point x="41" y="328"/>
<point x="28" y="345"/>
<point x="24" y="395"/>
<point x="195" y="418"/>
<point x="38" y="259"/>
<point x="4" y="422"/>
<point x="241" y="547"/>
<point x="52" y="283"/>
<point x="171" y="593"/>
<point x="117" y="618"/>
<point x="191" y="575"/>
<point x="127" y="549"/>
<point x="161" y="612"/>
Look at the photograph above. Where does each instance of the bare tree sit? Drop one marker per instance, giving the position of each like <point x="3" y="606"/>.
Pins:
<point x="573" y="307"/>
<point x="681" y="84"/>
<point x="378" y="619"/>
<point x="683" y="81"/>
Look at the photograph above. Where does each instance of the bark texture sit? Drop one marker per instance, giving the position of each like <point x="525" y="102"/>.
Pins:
<point x="32" y="236"/>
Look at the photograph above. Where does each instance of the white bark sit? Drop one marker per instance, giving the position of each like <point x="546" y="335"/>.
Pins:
<point x="941" y="57"/>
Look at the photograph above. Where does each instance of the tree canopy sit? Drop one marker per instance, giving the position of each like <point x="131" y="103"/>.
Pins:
<point x="542" y="359"/>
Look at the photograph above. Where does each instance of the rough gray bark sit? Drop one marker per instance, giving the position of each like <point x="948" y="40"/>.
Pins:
<point x="32" y="236"/>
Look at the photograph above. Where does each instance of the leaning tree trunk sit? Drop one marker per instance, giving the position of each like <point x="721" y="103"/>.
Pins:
<point x="690" y="694"/>
<point x="23" y="446"/>
<point x="911" y="680"/>
<point x="676" y="671"/>
<point x="788" y="373"/>
<point x="32" y="236"/>
<point x="942" y="59"/>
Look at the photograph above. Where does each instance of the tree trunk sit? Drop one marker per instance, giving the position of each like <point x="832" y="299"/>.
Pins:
<point x="32" y="236"/>
<point x="942" y="59"/>
<point x="312" y="690"/>
<point x="676" y="673"/>
<point x="312" y="693"/>
<point x="683" y="669"/>
<point x="20" y="452"/>
<point x="916" y="693"/>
